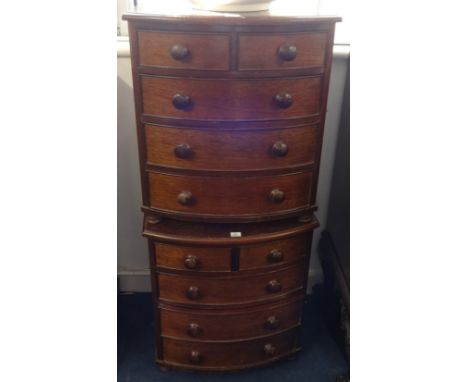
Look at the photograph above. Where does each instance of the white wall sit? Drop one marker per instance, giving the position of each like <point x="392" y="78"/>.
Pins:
<point x="132" y="254"/>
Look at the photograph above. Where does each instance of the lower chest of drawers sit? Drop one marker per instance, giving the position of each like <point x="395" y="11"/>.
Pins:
<point x="228" y="302"/>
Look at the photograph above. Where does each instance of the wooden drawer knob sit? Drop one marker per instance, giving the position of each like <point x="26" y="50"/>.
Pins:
<point x="276" y="195"/>
<point x="183" y="151"/>
<point x="191" y="262"/>
<point x="185" y="198"/>
<point x="283" y="100"/>
<point x="195" y="357"/>
<point x="274" y="286"/>
<point x="272" y="322"/>
<point x="275" y="256"/>
<point x="287" y="52"/>
<point x="194" y="330"/>
<point x="279" y="149"/>
<point x="179" y="52"/>
<point x="193" y="292"/>
<point x="269" y="349"/>
<point x="181" y="101"/>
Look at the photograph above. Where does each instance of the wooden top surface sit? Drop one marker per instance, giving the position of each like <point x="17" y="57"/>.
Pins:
<point x="182" y="10"/>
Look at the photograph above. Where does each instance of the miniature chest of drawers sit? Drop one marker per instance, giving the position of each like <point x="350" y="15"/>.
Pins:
<point x="230" y="114"/>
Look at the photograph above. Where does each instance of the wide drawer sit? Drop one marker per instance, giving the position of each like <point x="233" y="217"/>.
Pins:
<point x="282" y="51"/>
<point x="183" y="50"/>
<point x="203" y="259"/>
<point x="231" y="354"/>
<point x="230" y="196"/>
<point x="213" y="149"/>
<point x="202" y="325"/>
<point x="221" y="99"/>
<point x="232" y="289"/>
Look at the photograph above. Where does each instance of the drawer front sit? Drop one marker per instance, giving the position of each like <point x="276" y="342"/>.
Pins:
<point x="193" y="258"/>
<point x="183" y="50"/>
<point x="212" y="149"/>
<point x="229" y="196"/>
<point x="232" y="354"/>
<point x="282" y="51"/>
<point x="197" y="324"/>
<point x="230" y="289"/>
<point x="202" y="99"/>
<point x="273" y="253"/>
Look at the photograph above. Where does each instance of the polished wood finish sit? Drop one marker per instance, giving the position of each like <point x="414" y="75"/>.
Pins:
<point x="183" y="51"/>
<point x="230" y="114"/>
<point x="242" y="100"/>
<point x="282" y="51"/>
<point x="224" y="196"/>
<point x="225" y="150"/>
<point x="193" y="258"/>
<point x="214" y="355"/>
<point x="202" y="325"/>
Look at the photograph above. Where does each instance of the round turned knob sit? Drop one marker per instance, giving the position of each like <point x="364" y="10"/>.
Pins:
<point x="179" y="52"/>
<point x="183" y="151"/>
<point x="193" y="329"/>
<point x="195" y="356"/>
<point x="279" y="149"/>
<point x="192" y="292"/>
<point x="272" y="322"/>
<point x="185" y="198"/>
<point x="287" y="52"/>
<point x="275" y="256"/>
<point x="269" y="349"/>
<point x="191" y="262"/>
<point x="181" y="101"/>
<point x="274" y="286"/>
<point x="283" y="100"/>
<point x="276" y="196"/>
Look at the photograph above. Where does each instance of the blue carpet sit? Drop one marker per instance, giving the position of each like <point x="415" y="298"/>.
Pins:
<point x="320" y="359"/>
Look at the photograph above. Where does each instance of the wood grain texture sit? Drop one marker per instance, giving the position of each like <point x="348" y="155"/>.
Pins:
<point x="225" y="150"/>
<point x="205" y="259"/>
<point x="229" y="290"/>
<point x="260" y="51"/>
<point x="231" y="353"/>
<point x="227" y="99"/>
<point x="205" y="51"/>
<point x="229" y="195"/>
<point x="259" y="256"/>
<point x="227" y="325"/>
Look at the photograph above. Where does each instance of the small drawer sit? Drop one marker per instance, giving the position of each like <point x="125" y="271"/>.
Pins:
<point x="233" y="289"/>
<point x="217" y="99"/>
<point x="282" y="51"/>
<point x="213" y="149"/>
<point x="219" y="355"/>
<point x="230" y="325"/>
<point x="202" y="259"/>
<point x="230" y="196"/>
<point x="183" y="50"/>
<point x="273" y="253"/>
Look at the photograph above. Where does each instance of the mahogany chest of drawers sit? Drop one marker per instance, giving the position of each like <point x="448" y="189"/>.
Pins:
<point x="230" y="114"/>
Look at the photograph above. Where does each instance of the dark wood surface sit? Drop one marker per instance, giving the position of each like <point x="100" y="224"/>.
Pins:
<point x="218" y="354"/>
<point x="263" y="51"/>
<point x="228" y="150"/>
<point x="229" y="325"/>
<point x="232" y="289"/>
<point x="230" y="114"/>
<point x="207" y="52"/>
<point x="219" y="99"/>
<point x="229" y="196"/>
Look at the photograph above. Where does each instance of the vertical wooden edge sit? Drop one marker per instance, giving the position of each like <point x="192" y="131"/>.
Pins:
<point x="234" y="49"/>
<point x="323" y="107"/>
<point x="138" y="99"/>
<point x="155" y="296"/>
